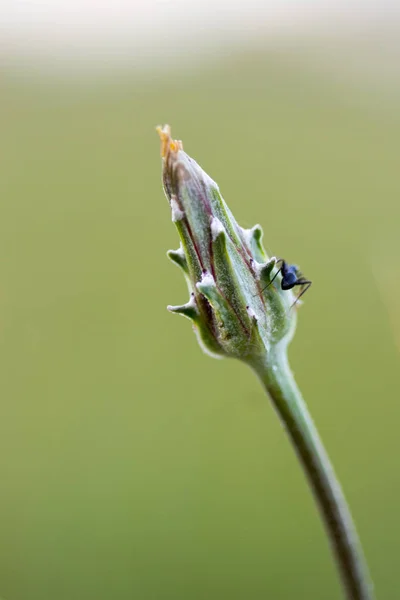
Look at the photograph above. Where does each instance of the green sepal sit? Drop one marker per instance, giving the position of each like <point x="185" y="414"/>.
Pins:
<point x="188" y="310"/>
<point x="232" y="331"/>
<point x="178" y="257"/>
<point x="208" y="288"/>
<point x="231" y="272"/>
<point x="253" y="237"/>
<point x="264" y="271"/>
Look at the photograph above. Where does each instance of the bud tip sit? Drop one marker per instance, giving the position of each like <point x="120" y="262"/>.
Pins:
<point x="167" y="143"/>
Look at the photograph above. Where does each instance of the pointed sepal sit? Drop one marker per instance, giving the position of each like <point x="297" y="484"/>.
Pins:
<point x="178" y="257"/>
<point x="264" y="271"/>
<point x="253" y="238"/>
<point x="188" y="310"/>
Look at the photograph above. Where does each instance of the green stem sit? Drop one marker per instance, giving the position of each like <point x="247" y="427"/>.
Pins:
<point x="278" y="380"/>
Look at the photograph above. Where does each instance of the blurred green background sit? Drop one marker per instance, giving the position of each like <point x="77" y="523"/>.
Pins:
<point x="132" y="465"/>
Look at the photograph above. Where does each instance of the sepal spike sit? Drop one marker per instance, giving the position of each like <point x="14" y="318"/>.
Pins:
<point x="178" y="257"/>
<point x="188" y="310"/>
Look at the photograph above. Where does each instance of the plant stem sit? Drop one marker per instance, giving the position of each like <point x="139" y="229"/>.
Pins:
<point x="278" y="380"/>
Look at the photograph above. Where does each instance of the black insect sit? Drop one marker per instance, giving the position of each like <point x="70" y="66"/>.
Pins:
<point x="291" y="277"/>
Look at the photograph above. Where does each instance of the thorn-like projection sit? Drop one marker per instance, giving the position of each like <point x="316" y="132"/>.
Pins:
<point x="253" y="238"/>
<point x="207" y="286"/>
<point x="188" y="310"/>
<point x="179" y="258"/>
<point x="209" y="289"/>
<point x="265" y="269"/>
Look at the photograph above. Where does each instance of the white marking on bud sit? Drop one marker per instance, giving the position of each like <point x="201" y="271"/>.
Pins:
<point x="216" y="228"/>
<point x="259" y="267"/>
<point x="207" y="279"/>
<point x="177" y="213"/>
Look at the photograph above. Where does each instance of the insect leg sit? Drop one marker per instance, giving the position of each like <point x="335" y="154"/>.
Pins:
<point x="305" y="283"/>
<point x="268" y="284"/>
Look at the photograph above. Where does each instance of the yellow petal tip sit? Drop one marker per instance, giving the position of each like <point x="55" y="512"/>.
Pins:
<point x="167" y="143"/>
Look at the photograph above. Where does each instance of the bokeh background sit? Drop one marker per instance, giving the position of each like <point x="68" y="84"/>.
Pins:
<point x="132" y="465"/>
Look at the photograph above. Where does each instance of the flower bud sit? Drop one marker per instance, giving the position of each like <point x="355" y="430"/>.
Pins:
<point x="234" y="309"/>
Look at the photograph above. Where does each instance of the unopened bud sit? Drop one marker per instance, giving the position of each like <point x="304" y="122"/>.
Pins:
<point x="234" y="309"/>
